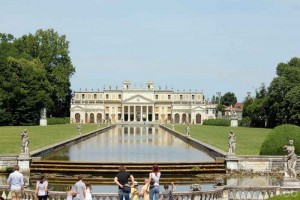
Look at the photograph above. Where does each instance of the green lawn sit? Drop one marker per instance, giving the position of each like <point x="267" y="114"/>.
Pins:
<point x="248" y="140"/>
<point x="39" y="136"/>
<point x="294" y="195"/>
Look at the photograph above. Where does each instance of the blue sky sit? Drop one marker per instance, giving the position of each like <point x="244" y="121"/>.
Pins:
<point x="214" y="45"/>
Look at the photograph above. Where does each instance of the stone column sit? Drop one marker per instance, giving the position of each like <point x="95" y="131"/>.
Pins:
<point x="147" y="111"/>
<point x="122" y="114"/>
<point x="134" y="113"/>
<point x="153" y="114"/>
<point x="141" y="114"/>
<point x="129" y="113"/>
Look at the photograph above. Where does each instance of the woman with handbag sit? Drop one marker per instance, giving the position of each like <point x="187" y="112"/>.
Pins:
<point x="121" y="180"/>
<point x="154" y="177"/>
<point x="42" y="188"/>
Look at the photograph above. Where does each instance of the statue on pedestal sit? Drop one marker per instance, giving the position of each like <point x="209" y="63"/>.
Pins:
<point x="231" y="143"/>
<point x="173" y="126"/>
<point x="43" y="113"/>
<point x="187" y="130"/>
<point x="79" y="127"/>
<point x="290" y="160"/>
<point x="25" y="142"/>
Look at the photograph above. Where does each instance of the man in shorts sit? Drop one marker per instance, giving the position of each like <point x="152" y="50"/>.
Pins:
<point x="16" y="183"/>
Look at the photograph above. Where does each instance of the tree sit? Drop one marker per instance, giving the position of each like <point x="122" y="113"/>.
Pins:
<point x="23" y="92"/>
<point x="282" y="91"/>
<point x="53" y="51"/>
<point x="228" y="99"/>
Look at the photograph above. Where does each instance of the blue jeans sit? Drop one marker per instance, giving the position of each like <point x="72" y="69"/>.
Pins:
<point x="154" y="192"/>
<point x="123" y="194"/>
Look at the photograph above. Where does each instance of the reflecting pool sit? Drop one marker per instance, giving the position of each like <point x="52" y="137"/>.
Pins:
<point x="125" y="143"/>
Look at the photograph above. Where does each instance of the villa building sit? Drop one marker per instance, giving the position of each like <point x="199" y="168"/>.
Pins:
<point x="146" y="104"/>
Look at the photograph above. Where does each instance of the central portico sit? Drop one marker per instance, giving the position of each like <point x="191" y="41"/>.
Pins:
<point x="140" y="104"/>
<point x="138" y="108"/>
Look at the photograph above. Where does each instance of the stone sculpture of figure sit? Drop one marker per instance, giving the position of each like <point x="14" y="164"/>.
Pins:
<point x="187" y="130"/>
<point x="232" y="112"/>
<point x="25" y="141"/>
<point x="290" y="160"/>
<point x="231" y="143"/>
<point x="43" y="113"/>
<point x="173" y="126"/>
<point x="79" y="129"/>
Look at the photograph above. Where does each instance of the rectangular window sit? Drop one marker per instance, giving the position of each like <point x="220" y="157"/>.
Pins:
<point x="156" y="116"/>
<point x="83" y="96"/>
<point x="181" y="97"/>
<point x="193" y="97"/>
<point x="107" y="96"/>
<point x="95" y="96"/>
<point x="120" y="96"/>
<point x="169" y="97"/>
<point x="207" y="111"/>
<point x="156" y="96"/>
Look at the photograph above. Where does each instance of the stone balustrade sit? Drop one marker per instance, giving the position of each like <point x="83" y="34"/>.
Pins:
<point x="220" y="193"/>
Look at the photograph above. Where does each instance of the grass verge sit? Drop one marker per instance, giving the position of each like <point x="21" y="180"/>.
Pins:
<point x="39" y="136"/>
<point x="248" y="140"/>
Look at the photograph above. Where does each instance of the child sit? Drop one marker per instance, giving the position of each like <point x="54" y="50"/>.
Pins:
<point x="135" y="191"/>
<point x="167" y="194"/>
<point x="70" y="193"/>
<point x="88" y="194"/>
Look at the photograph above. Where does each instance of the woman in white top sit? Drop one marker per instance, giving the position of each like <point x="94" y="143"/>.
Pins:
<point x="154" y="183"/>
<point x="88" y="192"/>
<point x="42" y="188"/>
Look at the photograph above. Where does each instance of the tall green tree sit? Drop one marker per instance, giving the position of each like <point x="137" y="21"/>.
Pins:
<point x="52" y="50"/>
<point x="228" y="99"/>
<point x="23" y="91"/>
<point x="282" y="94"/>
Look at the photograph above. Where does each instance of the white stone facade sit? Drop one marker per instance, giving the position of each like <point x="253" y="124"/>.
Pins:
<point x="140" y="105"/>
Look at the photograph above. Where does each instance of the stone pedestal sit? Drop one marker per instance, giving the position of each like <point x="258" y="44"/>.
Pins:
<point x="291" y="182"/>
<point x="43" y="122"/>
<point x="232" y="162"/>
<point x="234" y="122"/>
<point x="24" y="161"/>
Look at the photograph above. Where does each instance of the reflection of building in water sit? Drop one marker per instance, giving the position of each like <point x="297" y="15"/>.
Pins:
<point x="132" y="104"/>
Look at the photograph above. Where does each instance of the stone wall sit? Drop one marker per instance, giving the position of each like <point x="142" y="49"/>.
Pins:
<point x="7" y="161"/>
<point x="257" y="164"/>
<point x="217" y="153"/>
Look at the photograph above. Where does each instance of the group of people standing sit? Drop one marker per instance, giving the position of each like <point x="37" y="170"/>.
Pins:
<point x="150" y="189"/>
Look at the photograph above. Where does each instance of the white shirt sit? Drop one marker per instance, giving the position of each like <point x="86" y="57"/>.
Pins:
<point x="15" y="180"/>
<point x="41" y="188"/>
<point x="155" y="178"/>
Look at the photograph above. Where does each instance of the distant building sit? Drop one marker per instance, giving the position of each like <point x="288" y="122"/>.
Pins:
<point x="238" y="108"/>
<point x="146" y="104"/>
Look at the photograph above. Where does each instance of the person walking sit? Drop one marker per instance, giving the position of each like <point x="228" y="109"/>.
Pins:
<point x="145" y="190"/>
<point x="80" y="188"/>
<point x="41" y="190"/>
<point x="154" y="177"/>
<point x="16" y="183"/>
<point x="121" y="180"/>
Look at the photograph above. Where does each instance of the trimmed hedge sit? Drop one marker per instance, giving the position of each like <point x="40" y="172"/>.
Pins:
<point x="278" y="137"/>
<point x="54" y="120"/>
<point x="288" y="196"/>
<point x="216" y="122"/>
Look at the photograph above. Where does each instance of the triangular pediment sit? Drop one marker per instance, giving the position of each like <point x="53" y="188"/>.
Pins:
<point x="138" y="99"/>
<point x="77" y="108"/>
<point x="199" y="108"/>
